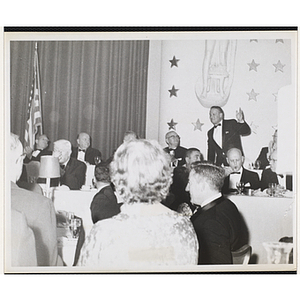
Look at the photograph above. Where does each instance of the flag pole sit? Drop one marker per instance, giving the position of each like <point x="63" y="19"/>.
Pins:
<point x="39" y="87"/>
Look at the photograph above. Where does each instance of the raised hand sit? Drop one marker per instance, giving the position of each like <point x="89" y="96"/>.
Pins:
<point x="240" y="116"/>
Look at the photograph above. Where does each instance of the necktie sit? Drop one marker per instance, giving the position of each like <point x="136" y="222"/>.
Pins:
<point x="81" y="150"/>
<point x="62" y="167"/>
<point x="215" y="126"/>
<point x="235" y="173"/>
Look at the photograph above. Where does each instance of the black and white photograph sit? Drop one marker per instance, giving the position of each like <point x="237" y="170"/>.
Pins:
<point x="150" y="151"/>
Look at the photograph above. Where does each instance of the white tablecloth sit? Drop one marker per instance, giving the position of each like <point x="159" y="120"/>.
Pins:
<point x="77" y="202"/>
<point x="268" y="219"/>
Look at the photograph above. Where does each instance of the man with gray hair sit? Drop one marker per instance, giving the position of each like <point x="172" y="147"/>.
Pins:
<point x="38" y="211"/>
<point x="72" y="170"/>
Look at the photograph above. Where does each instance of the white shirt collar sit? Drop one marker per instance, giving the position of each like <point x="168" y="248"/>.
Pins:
<point x="102" y="187"/>
<point x="214" y="197"/>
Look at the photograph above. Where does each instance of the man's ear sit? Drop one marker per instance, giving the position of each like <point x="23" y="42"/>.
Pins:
<point x="243" y="159"/>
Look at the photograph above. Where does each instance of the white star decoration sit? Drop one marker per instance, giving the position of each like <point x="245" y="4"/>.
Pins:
<point x="279" y="66"/>
<point x="276" y="96"/>
<point x="198" y="125"/>
<point x="253" y="127"/>
<point x="252" y="95"/>
<point x="253" y="65"/>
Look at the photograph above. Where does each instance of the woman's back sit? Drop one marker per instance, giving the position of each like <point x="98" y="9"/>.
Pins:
<point x="141" y="236"/>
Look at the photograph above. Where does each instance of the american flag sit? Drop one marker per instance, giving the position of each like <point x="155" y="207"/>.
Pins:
<point x="34" y="109"/>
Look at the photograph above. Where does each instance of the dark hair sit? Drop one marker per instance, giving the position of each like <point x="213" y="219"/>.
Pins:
<point x="212" y="174"/>
<point x="102" y="172"/>
<point x="218" y="108"/>
<point x="191" y="150"/>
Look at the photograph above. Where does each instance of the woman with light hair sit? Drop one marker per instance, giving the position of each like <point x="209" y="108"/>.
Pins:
<point x="145" y="234"/>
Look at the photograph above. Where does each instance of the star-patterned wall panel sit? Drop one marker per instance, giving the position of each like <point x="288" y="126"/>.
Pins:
<point x="261" y="68"/>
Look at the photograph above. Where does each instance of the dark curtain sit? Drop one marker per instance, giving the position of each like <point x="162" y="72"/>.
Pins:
<point x="98" y="87"/>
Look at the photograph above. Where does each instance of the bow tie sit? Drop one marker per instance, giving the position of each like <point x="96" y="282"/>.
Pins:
<point x="235" y="173"/>
<point x="81" y="150"/>
<point x="215" y="126"/>
<point x="62" y="167"/>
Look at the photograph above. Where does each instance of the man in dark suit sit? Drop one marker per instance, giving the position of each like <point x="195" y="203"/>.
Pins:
<point x="181" y="179"/>
<point x="105" y="204"/>
<point x="225" y="134"/>
<point x="174" y="149"/>
<point x="269" y="174"/>
<point x="72" y="170"/>
<point x="218" y="224"/>
<point x="237" y="173"/>
<point x="84" y="151"/>
<point x="41" y="145"/>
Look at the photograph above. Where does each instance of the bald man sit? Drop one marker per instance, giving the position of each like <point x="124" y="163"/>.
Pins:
<point x="237" y="173"/>
<point x="84" y="151"/>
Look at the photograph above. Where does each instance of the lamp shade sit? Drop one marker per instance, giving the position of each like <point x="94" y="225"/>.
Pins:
<point x="49" y="167"/>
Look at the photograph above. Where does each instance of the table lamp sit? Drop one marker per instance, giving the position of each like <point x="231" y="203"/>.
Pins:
<point x="49" y="168"/>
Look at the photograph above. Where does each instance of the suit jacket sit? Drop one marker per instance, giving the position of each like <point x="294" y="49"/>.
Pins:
<point x="180" y="181"/>
<point x="231" y="138"/>
<point x="220" y="229"/>
<point x="40" y="215"/>
<point x="104" y="204"/>
<point x="267" y="176"/>
<point x="23" y="251"/>
<point x="74" y="174"/>
<point x="90" y="154"/>
<point x="246" y="177"/>
<point x="179" y="154"/>
<point x="38" y="157"/>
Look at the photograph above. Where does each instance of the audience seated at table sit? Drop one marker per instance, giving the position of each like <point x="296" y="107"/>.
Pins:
<point x="269" y="174"/>
<point x="105" y="204"/>
<point x="181" y="178"/>
<point x="39" y="212"/>
<point x="237" y="173"/>
<point x="72" y="170"/>
<point x="145" y="234"/>
<point x="219" y="226"/>
<point x="84" y="152"/>
<point x="176" y="151"/>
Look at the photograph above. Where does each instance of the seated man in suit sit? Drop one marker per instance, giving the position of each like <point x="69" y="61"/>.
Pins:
<point x="72" y="170"/>
<point x="38" y="210"/>
<point x="225" y="134"/>
<point x="174" y="149"/>
<point x="181" y="179"/>
<point x="41" y="145"/>
<point x="84" y="151"/>
<point x="41" y="148"/>
<point x="218" y="224"/>
<point x="237" y="173"/>
<point x="269" y="174"/>
<point x="105" y="204"/>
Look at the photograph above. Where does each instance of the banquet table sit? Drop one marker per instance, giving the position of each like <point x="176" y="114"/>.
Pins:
<point x="268" y="218"/>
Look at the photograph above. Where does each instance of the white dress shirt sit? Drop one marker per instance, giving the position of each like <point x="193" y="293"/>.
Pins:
<point x="217" y="134"/>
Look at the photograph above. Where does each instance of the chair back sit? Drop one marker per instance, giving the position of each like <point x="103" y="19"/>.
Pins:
<point x="242" y="255"/>
<point x="32" y="170"/>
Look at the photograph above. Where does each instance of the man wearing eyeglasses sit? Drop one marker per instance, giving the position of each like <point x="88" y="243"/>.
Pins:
<point x="176" y="151"/>
<point x="269" y="173"/>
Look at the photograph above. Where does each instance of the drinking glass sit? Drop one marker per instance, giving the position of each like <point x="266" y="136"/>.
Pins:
<point x="97" y="160"/>
<point x="272" y="189"/>
<point x="74" y="227"/>
<point x="240" y="187"/>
